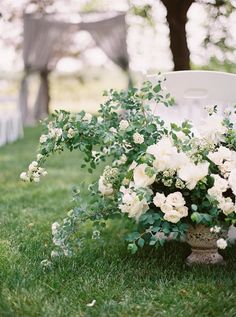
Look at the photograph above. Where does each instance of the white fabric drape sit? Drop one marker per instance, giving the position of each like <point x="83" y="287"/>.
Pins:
<point x="44" y="36"/>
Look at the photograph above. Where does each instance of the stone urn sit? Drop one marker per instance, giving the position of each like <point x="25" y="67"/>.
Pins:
<point x="203" y="246"/>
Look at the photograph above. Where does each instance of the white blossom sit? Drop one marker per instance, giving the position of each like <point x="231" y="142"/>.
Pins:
<point x="70" y="133"/>
<point x="232" y="180"/>
<point x="141" y="179"/>
<point x="172" y="216"/>
<point x="138" y="138"/>
<point x="221" y="243"/>
<point x="192" y="173"/>
<point x="24" y="177"/>
<point x="39" y="157"/>
<point x="33" y="166"/>
<point x="55" y="227"/>
<point x="212" y="128"/>
<point x="123" y="125"/>
<point x="159" y="199"/>
<point x="87" y="117"/>
<point x="43" y="138"/>
<point x="175" y="199"/>
<point x="105" y="189"/>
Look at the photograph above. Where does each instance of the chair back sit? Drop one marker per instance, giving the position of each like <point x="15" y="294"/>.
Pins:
<point x="194" y="90"/>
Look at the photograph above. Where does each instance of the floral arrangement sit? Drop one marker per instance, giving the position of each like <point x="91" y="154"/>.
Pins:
<point x="163" y="177"/>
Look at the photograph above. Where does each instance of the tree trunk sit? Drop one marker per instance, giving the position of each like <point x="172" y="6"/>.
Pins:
<point x="177" y="18"/>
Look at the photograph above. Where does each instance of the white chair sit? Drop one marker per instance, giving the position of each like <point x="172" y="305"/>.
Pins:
<point x="11" y="127"/>
<point x="194" y="90"/>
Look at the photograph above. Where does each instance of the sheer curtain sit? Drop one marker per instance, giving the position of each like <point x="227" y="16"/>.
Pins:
<point x="44" y="36"/>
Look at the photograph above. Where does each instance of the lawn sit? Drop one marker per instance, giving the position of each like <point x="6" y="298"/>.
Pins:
<point x="153" y="282"/>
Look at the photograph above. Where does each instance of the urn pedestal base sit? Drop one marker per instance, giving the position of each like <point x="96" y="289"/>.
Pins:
<point x="203" y="246"/>
<point x="204" y="256"/>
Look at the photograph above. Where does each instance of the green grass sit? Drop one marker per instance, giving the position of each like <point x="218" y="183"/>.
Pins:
<point x="150" y="283"/>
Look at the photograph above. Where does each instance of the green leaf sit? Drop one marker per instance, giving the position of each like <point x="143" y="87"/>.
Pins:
<point x="157" y="88"/>
<point x="141" y="242"/>
<point x="194" y="207"/>
<point x="132" y="247"/>
<point x="132" y="236"/>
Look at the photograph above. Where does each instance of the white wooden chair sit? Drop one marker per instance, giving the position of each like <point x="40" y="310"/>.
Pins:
<point x="194" y="90"/>
<point x="11" y="127"/>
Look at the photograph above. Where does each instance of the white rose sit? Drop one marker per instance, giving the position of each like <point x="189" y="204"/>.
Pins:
<point x="221" y="243"/>
<point x="181" y="135"/>
<point x="222" y="154"/>
<point x="141" y="179"/>
<point x="215" y="193"/>
<point x="105" y="189"/>
<point x="192" y="173"/>
<point x="100" y="119"/>
<point x="36" y="179"/>
<point x="166" y="208"/>
<point x="87" y="117"/>
<point x="175" y="199"/>
<point x="212" y="128"/>
<point x="43" y="138"/>
<point x="138" y="138"/>
<point x="39" y="157"/>
<point x="172" y="216"/>
<point x="24" y="177"/>
<point x="159" y="199"/>
<point x="58" y="132"/>
<point x="133" y="206"/>
<point x="70" y="133"/>
<point x="226" y="205"/>
<point x="113" y="130"/>
<point x="220" y="183"/>
<point x="55" y="227"/>
<point x="232" y="181"/>
<point x="33" y="166"/>
<point x="123" y="125"/>
<point x="166" y="155"/>
<point x="132" y="166"/>
<point x="183" y="211"/>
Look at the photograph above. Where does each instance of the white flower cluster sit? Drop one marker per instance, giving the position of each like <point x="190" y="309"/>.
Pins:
<point x="225" y="159"/>
<point x="34" y="172"/>
<point x="53" y="133"/>
<point x="212" y="128"/>
<point x="105" y="183"/>
<point x="173" y="206"/>
<point x="124" y="124"/>
<point x="168" y="158"/>
<point x="132" y="203"/>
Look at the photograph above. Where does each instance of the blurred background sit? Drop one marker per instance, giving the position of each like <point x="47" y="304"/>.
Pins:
<point x="64" y="53"/>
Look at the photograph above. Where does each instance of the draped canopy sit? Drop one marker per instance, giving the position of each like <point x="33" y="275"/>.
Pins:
<point x="44" y="38"/>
